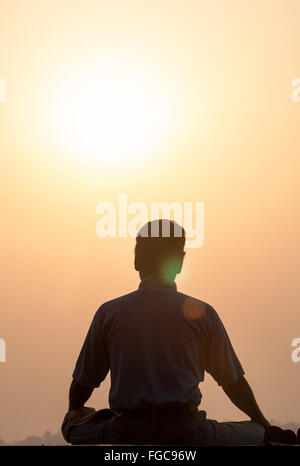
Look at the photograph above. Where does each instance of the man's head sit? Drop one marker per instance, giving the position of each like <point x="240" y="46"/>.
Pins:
<point x="159" y="249"/>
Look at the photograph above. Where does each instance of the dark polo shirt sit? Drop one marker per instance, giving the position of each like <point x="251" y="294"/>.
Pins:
<point x="157" y="344"/>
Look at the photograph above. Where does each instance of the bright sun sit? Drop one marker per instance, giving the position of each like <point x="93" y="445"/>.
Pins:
<point x="112" y="115"/>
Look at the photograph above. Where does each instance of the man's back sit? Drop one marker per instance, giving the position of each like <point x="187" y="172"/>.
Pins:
<point x="157" y="343"/>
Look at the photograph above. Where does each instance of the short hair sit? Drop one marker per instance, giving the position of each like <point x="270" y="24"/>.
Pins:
<point x="156" y="242"/>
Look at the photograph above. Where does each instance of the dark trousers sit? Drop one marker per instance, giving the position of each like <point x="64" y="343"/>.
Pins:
<point x="185" y="429"/>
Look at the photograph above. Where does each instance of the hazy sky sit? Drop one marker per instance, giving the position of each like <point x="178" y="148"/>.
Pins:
<point x="165" y="101"/>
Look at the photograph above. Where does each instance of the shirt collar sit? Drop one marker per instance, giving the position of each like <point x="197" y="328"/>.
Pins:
<point x="156" y="280"/>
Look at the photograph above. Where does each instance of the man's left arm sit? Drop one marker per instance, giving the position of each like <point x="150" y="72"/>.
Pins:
<point x="78" y="395"/>
<point x="92" y="365"/>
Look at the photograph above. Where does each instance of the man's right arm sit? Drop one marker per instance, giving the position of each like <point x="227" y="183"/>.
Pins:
<point x="241" y="395"/>
<point x="223" y="364"/>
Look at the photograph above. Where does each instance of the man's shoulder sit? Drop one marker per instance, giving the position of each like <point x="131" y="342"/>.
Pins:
<point x="196" y="308"/>
<point x="118" y="302"/>
<point x="200" y="302"/>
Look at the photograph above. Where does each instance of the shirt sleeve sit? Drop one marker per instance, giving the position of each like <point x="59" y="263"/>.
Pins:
<point x="92" y="364"/>
<point x="221" y="360"/>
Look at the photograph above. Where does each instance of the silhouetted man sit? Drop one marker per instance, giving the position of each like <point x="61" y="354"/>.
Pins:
<point x="157" y="344"/>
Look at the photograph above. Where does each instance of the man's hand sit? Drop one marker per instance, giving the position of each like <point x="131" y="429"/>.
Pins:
<point x="78" y="395"/>
<point x="241" y="395"/>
